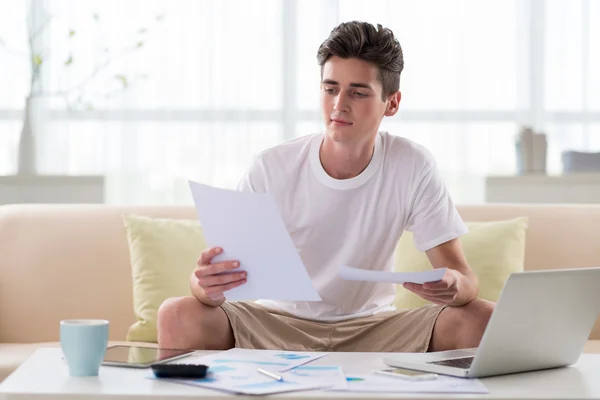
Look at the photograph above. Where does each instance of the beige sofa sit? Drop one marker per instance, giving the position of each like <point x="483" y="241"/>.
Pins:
<point x="72" y="261"/>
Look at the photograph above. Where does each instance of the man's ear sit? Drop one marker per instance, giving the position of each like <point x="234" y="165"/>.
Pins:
<point x="393" y="104"/>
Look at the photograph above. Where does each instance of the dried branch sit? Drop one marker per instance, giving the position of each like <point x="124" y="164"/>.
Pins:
<point x="38" y="57"/>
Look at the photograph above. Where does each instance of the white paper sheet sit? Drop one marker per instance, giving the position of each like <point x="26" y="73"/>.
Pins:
<point x="235" y="371"/>
<point x="383" y="384"/>
<point x="249" y="228"/>
<point x="333" y="375"/>
<point x="357" y="274"/>
<point x="272" y="360"/>
<point x="236" y="378"/>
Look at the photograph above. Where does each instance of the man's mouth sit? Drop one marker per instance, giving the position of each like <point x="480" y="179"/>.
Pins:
<point x="340" y="122"/>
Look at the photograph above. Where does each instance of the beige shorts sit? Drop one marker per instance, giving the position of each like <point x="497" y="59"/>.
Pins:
<point x="257" y="327"/>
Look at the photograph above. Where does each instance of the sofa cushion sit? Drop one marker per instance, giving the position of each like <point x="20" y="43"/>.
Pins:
<point x="494" y="250"/>
<point x="163" y="254"/>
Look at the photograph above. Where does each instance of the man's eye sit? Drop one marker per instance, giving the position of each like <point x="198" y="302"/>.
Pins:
<point x="328" y="90"/>
<point x="359" y="94"/>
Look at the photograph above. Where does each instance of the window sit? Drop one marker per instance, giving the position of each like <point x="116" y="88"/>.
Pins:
<point x="193" y="89"/>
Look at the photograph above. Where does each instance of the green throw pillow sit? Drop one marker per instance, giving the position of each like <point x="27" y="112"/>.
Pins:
<point x="493" y="249"/>
<point x="163" y="254"/>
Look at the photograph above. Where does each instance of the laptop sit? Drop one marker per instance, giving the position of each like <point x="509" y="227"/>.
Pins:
<point x="542" y="320"/>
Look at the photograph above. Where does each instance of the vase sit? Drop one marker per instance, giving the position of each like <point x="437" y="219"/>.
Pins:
<point x="27" y="148"/>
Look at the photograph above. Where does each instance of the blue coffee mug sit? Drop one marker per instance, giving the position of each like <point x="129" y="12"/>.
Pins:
<point x="84" y="342"/>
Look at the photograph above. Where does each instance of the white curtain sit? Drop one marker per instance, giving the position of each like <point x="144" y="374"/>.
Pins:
<point x="152" y="93"/>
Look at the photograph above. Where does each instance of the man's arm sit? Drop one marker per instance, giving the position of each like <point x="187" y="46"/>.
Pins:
<point x="458" y="286"/>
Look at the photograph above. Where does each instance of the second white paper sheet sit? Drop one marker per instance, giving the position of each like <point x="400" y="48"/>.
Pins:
<point x="358" y="274"/>
<point x="249" y="228"/>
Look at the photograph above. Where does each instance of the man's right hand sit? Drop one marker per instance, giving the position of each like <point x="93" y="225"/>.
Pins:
<point x="209" y="281"/>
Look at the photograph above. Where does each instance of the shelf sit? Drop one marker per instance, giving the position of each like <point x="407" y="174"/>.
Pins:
<point x="15" y="189"/>
<point x="538" y="188"/>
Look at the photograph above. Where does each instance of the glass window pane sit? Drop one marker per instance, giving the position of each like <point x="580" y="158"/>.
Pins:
<point x="14" y="65"/>
<point x="474" y="148"/>
<point x="213" y="153"/>
<point x="572" y="59"/>
<point x="458" y="54"/>
<point x="308" y="128"/>
<point x="593" y="56"/>
<point x="315" y="19"/>
<point x="182" y="54"/>
<point x="72" y="147"/>
<point x="9" y="140"/>
<point x="563" y="61"/>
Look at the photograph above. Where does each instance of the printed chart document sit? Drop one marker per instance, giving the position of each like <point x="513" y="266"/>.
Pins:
<point x="383" y="384"/>
<point x="272" y="360"/>
<point x="235" y="371"/>
<point x="358" y="274"/>
<point x="249" y="228"/>
<point x="241" y="379"/>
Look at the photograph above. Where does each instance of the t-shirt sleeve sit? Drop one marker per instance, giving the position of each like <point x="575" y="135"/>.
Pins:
<point x="433" y="218"/>
<point x="253" y="179"/>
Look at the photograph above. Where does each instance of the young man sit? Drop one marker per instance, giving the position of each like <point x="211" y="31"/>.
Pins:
<point x="346" y="196"/>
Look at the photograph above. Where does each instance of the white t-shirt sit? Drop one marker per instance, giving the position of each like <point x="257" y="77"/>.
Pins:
<point x="357" y="221"/>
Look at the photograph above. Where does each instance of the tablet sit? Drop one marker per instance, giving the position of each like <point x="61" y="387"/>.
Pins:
<point x="141" y="357"/>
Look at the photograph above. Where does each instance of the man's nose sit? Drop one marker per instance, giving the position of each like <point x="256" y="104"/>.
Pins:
<point x="341" y="103"/>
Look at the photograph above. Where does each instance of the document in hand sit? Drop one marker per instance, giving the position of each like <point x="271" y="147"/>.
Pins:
<point x="358" y="274"/>
<point x="249" y="228"/>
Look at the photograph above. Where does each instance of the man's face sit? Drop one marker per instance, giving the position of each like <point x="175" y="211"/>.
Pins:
<point x="351" y="99"/>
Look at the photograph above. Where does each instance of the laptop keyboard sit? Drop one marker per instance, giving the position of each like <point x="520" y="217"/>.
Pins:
<point x="464" y="362"/>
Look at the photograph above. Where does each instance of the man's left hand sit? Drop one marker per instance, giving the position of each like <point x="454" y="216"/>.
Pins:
<point x="444" y="291"/>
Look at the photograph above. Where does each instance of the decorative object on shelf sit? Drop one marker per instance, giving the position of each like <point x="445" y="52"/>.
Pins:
<point x="531" y="151"/>
<point x="31" y="121"/>
<point x="579" y="162"/>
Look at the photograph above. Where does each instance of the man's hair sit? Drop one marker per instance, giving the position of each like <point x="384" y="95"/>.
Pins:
<point x="364" y="41"/>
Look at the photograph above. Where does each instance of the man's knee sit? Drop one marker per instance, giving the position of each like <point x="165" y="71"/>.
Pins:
<point x="480" y="311"/>
<point x="176" y="316"/>
<point x="474" y="320"/>
<point x="184" y="322"/>
<point x="461" y="327"/>
<point x="176" y="310"/>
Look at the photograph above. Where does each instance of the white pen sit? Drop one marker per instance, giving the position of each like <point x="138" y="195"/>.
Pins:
<point x="270" y="374"/>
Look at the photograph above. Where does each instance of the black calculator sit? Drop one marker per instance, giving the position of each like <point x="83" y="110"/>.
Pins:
<point x="185" y="371"/>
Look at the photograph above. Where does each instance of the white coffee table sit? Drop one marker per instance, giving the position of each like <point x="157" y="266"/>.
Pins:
<point x="44" y="376"/>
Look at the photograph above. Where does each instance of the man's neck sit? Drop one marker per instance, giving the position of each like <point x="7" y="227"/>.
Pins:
<point x="346" y="160"/>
